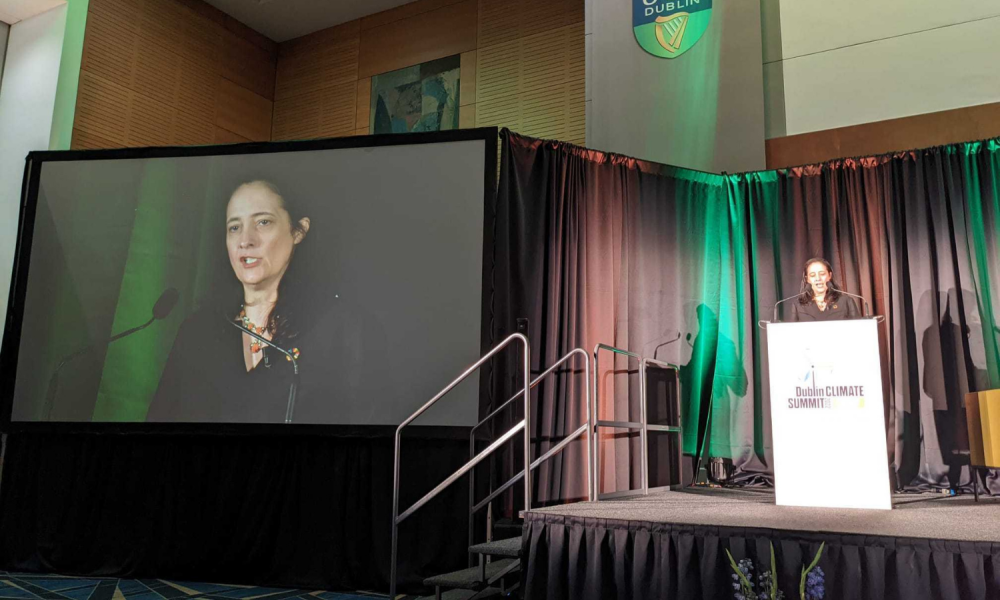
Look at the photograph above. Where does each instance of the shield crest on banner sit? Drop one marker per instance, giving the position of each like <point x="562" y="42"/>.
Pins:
<point x="668" y="28"/>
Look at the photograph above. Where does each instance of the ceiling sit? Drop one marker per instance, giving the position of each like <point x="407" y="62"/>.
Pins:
<point x="12" y="11"/>
<point x="283" y="20"/>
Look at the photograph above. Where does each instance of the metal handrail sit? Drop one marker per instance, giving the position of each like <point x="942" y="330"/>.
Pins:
<point x="524" y="425"/>
<point x="642" y="425"/>
<point x="474" y="506"/>
<point x="534" y="384"/>
<point x="534" y="465"/>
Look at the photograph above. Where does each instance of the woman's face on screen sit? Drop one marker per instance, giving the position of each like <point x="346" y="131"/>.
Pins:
<point x="818" y="277"/>
<point x="259" y="235"/>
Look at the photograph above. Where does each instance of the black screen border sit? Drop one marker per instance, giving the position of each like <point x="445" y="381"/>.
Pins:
<point x="10" y="347"/>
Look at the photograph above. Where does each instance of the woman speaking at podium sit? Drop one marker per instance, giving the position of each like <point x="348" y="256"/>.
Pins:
<point x="215" y="373"/>
<point x="820" y="299"/>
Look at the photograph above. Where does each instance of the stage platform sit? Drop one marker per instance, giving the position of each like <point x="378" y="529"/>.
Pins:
<point x="672" y="545"/>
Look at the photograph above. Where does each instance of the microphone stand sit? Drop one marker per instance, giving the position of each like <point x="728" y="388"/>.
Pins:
<point x="666" y="343"/>
<point x="290" y="409"/>
<point x="865" y="307"/>
<point x="161" y="310"/>
<point x="778" y="303"/>
<point x="53" y="387"/>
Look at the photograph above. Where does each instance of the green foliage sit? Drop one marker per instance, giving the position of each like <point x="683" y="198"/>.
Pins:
<point x="736" y="569"/>
<point x="805" y="571"/>
<point x="810" y="588"/>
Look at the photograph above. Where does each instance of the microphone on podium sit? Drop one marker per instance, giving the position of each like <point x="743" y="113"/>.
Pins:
<point x="290" y="354"/>
<point x="866" y="308"/>
<point x="778" y="303"/>
<point x="666" y="343"/>
<point x="161" y="310"/>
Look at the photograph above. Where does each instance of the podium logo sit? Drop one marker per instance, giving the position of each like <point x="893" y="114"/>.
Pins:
<point x="829" y="397"/>
<point x="809" y="403"/>
<point x="669" y="28"/>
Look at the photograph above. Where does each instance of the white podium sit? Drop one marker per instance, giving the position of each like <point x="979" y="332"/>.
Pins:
<point x="827" y="423"/>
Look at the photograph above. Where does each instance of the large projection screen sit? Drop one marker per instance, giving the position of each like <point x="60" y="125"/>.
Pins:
<point x="370" y="251"/>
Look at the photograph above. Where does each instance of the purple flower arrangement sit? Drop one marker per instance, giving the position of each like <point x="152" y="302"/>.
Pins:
<point x="812" y="583"/>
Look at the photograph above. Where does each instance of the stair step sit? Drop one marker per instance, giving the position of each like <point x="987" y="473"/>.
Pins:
<point x="469" y="578"/>
<point x="509" y="525"/>
<point x="487" y="594"/>
<point x="510" y="547"/>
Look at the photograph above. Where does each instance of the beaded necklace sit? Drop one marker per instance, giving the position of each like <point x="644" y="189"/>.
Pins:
<point x="255" y="344"/>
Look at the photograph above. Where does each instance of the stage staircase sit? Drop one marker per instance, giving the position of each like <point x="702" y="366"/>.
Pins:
<point x="494" y="570"/>
<point x="496" y="575"/>
<point x="498" y="570"/>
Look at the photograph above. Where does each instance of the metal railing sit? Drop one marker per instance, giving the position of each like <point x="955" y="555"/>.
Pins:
<point x="524" y="425"/>
<point x="474" y="506"/>
<point x="642" y="425"/>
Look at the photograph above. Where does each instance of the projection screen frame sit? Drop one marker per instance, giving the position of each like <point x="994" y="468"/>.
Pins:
<point x="10" y="346"/>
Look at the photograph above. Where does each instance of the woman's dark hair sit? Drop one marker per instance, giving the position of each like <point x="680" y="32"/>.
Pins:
<point x="806" y="295"/>
<point x="286" y="319"/>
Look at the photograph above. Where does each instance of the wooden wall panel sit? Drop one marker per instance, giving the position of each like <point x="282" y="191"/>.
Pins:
<point x="535" y="84"/>
<point x="179" y="71"/>
<point x="338" y="110"/>
<point x="498" y="22"/>
<point x="247" y="114"/>
<point x="150" y="122"/>
<point x="920" y="131"/>
<point x="297" y="118"/>
<point x="537" y="17"/>
<point x="403" y="12"/>
<point x="157" y="72"/>
<point x="152" y="71"/>
<point x="298" y="72"/>
<point x="364" y="103"/>
<point x="498" y="86"/>
<point x="190" y="131"/>
<point x="522" y="66"/>
<point x="247" y="65"/>
<point x="162" y="24"/>
<point x="224" y="136"/>
<point x="467" y="117"/>
<point x="317" y="84"/>
<point x="531" y="68"/>
<point x="467" y="79"/>
<point x="101" y="109"/>
<point x="196" y="94"/>
<point x="84" y="140"/>
<point x="427" y="36"/>
<point x="317" y="60"/>
<point x="201" y="43"/>
<point x="110" y="42"/>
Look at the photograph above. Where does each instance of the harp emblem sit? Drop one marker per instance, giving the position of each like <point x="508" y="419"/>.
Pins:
<point x="669" y="28"/>
<point x="670" y="31"/>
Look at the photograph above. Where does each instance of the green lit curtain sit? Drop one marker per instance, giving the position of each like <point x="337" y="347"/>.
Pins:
<point x="592" y="247"/>
<point x="595" y="248"/>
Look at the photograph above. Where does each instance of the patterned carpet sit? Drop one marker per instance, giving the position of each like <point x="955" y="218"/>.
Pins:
<point x="53" y="587"/>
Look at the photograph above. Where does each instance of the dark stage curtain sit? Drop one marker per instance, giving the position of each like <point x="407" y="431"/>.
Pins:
<point x="295" y="510"/>
<point x="592" y="559"/>
<point x="591" y="248"/>
<point x="594" y="247"/>
<point x="916" y="233"/>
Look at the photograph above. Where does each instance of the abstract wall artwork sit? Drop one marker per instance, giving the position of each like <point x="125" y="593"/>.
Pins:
<point x="423" y="97"/>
